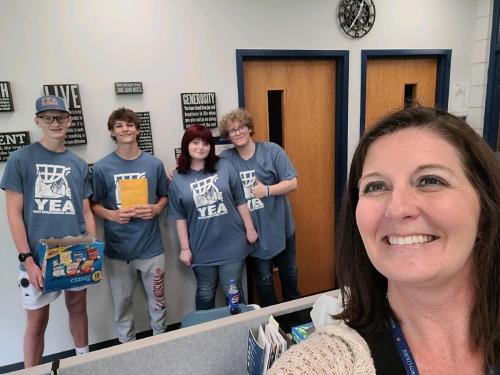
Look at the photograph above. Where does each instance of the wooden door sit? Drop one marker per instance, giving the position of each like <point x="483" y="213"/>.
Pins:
<point x="307" y="90"/>
<point x="389" y="81"/>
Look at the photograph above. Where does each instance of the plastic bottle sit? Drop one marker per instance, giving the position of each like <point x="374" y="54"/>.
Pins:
<point x="233" y="297"/>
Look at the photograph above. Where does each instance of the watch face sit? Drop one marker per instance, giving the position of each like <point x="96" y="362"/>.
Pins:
<point x="23" y="256"/>
<point x="356" y="17"/>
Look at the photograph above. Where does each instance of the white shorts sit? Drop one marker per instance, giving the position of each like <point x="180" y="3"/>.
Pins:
<point x="34" y="298"/>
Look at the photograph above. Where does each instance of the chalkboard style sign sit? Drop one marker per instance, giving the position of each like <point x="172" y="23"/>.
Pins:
<point x="71" y="94"/>
<point x="124" y="88"/>
<point x="222" y="144"/>
<point x="10" y="142"/>
<point x="6" y="102"/>
<point x="145" y="139"/>
<point x="199" y="108"/>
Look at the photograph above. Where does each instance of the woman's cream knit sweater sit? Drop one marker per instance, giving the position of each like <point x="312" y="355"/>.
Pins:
<point x="333" y="350"/>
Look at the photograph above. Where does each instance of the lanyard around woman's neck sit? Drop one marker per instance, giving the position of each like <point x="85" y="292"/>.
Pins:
<point x="403" y="349"/>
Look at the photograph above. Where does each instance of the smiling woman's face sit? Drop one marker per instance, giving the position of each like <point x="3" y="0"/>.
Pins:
<point x="417" y="212"/>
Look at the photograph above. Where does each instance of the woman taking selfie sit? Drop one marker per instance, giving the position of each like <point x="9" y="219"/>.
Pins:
<point x="417" y="256"/>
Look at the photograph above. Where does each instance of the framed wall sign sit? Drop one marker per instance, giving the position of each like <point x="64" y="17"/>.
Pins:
<point x="10" y="142"/>
<point x="199" y="108"/>
<point x="177" y="152"/>
<point x="222" y="144"/>
<point x="145" y="139"/>
<point x="71" y="94"/>
<point x="124" y="88"/>
<point x="6" y="101"/>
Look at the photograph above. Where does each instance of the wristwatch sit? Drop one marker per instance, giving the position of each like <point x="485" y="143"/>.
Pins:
<point x="23" y="256"/>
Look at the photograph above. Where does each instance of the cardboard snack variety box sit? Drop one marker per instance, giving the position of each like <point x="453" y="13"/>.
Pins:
<point x="70" y="262"/>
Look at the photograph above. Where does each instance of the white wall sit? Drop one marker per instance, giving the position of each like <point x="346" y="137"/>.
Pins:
<point x="480" y="59"/>
<point x="175" y="46"/>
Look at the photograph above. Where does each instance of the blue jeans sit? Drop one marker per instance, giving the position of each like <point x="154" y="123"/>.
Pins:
<point x="287" y="271"/>
<point x="207" y="279"/>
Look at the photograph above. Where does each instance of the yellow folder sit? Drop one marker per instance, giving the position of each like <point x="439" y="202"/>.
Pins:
<point x="133" y="192"/>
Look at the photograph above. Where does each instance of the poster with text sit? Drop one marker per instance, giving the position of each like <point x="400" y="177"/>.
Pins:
<point x="199" y="108"/>
<point x="145" y="139"/>
<point x="128" y="88"/>
<point x="6" y="102"/>
<point x="222" y="144"/>
<point x="71" y="94"/>
<point x="10" y="142"/>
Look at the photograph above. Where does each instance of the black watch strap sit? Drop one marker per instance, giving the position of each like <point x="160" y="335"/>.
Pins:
<point x="23" y="256"/>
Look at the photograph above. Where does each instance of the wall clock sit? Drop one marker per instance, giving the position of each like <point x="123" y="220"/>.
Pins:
<point x="356" y="17"/>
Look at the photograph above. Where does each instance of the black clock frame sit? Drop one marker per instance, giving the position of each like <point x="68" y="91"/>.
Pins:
<point x="355" y="21"/>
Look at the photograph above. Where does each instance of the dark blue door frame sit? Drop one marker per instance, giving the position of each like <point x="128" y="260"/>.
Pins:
<point x="443" y="57"/>
<point x="492" y="105"/>
<point x="341" y="97"/>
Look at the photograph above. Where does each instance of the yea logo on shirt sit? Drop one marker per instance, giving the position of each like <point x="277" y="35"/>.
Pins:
<point x="52" y="191"/>
<point x="125" y="176"/>
<point x="248" y="180"/>
<point x="208" y="198"/>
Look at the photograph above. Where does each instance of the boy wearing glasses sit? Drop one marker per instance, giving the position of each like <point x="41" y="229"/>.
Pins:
<point x="133" y="240"/>
<point x="267" y="175"/>
<point x="47" y="189"/>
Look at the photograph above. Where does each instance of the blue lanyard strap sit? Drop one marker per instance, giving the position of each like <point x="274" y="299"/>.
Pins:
<point x="405" y="353"/>
<point x="403" y="349"/>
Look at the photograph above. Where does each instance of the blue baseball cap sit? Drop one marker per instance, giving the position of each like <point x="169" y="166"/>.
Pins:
<point x="48" y="102"/>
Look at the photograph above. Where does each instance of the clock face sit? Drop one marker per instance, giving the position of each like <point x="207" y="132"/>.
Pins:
<point x="356" y="17"/>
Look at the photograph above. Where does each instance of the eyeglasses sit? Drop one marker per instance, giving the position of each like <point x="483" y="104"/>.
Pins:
<point x="241" y="129"/>
<point x="50" y="119"/>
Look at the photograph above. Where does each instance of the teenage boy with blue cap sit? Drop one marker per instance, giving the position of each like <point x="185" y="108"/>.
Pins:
<point x="47" y="189"/>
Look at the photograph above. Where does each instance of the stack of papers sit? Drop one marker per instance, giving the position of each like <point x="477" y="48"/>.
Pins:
<point x="265" y="345"/>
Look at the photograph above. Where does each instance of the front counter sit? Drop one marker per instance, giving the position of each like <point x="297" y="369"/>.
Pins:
<point x="217" y="347"/>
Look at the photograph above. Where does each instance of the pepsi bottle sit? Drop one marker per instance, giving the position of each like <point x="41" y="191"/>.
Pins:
<point x="233" y="297"/>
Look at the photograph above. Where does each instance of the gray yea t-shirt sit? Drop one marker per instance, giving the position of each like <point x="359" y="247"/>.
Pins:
<point x="272" y="216"/>
<point x="54" y="185"/>
<point x="138" y="239"/>
<point x="208" y="201"/>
